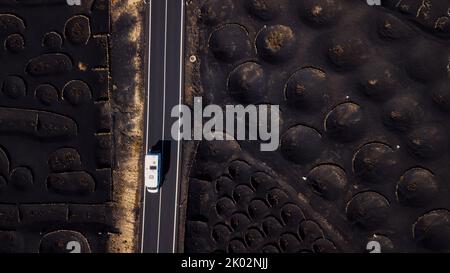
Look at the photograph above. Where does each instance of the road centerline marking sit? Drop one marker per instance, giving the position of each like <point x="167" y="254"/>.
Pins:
<point x="164" y="121"/>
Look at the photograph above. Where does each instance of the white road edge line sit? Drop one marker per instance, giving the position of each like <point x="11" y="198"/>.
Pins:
<point x="164" y="121"/>
<point x="148" y="113"/>
<point x="179" y="131"/>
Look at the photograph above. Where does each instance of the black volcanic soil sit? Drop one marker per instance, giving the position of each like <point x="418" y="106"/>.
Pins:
<point x="364" y="96"/>
<point x="55" y="124"/>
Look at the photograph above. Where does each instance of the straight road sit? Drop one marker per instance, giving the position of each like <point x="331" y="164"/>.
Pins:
<point x="164" y="90"/>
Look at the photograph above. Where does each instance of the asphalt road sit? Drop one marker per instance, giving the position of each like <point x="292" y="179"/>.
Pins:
<point x="165" y="82"/>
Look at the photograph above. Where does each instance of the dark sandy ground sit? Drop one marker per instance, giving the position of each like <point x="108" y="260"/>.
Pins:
<point x="364" y="96"/>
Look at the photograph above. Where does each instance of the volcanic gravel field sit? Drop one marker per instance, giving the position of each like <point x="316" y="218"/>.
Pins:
<point x="364" y="151"/>
<point x="364" y="94"/>
<point x="55" y="124"/>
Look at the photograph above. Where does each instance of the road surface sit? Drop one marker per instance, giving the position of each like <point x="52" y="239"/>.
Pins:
<point x="164" y="90"/>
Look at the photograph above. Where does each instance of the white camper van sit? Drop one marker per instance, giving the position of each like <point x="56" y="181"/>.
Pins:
<point x="152" y="172"/>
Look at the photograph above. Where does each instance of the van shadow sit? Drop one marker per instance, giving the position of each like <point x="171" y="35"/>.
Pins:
<point x="163" y="147"/>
